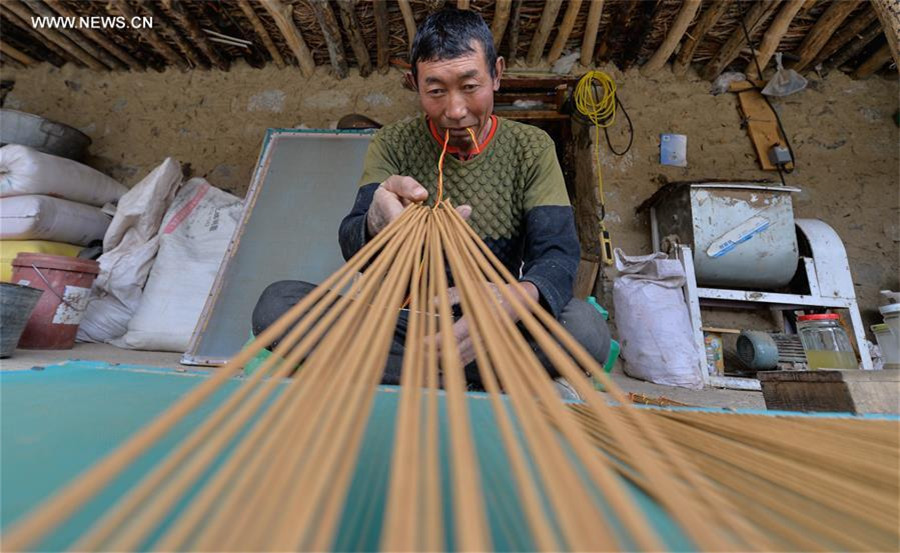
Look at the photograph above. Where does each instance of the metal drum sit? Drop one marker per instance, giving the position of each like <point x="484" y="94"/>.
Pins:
<point x="50" y="137"/>
<point x="742" y="234"/>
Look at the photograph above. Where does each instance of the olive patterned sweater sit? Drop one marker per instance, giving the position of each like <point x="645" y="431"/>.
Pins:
<point x="515" y="186"/>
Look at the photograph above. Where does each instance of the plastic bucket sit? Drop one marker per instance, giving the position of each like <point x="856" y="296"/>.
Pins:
<point x="16" y="304"/>
<point x="67" y="282"/>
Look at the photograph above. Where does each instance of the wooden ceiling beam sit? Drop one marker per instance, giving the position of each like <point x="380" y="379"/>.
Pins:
<point x="845" y="36"/>
<point x="12" y="53"/>
<point x="196" y="33"/>
<point x="409" y="21"/>
<point x="824" y="28"/>
<point x="382" y="35"/>
<point x="592" y="26"/>
<point x="155" y="41"/>
<point x="99" y="38"/>
<point x="770" y="41"/>
<point x="875" y="62"/>
<point x="60" y="56"/>
<point x="500" y="21"/>
<point x="332" y="34"/>
<point x="56" y="37"/>
<point x="854" y="48"/>
<point x="707" y="21"/>
<point x="78" y="38"/>
<point x="565" y="30"/>
<point x="542" y="32"/>
<point x="755" y="17"/>
<point x="354" y="32"/>
<point x="283" y="15"/>
<point x="888" y="12"/>
<point x="261" y="32"/>
<point x="194" y="57"/>
<point x="679" y="26"/>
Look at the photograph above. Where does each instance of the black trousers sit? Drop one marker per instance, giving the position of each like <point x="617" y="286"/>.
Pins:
<point x="580" y="319"/>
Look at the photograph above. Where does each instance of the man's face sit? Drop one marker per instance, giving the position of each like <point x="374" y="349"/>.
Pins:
<point x="458" y="94"/>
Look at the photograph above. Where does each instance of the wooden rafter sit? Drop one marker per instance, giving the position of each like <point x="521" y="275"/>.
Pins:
<point x="755" y="17"/>
<point x="875" y="62"/>
<point x="149" y="35"/>
<point x="196" y="34"/>
<point x="773" y="36"/>
<point x="501" y="19"/>
<point x="514" y="30"/>
<point x="565" y="30"/>
<point x="845" y="36"/>
<point x="61" y="57"/>
<point x="21" y="57"/>
<point x="282" y="14"/>
<point x="707" y="21"/>
<point x="824" y="28"/>
<point x="99" y="38"/>
<point x="854" y="48"/>
<point x="462" y="4"/>
<point x="261" y="32"/>
<point x="354" y="33"/>
<point x="409" y="21"/>
<point x="889" y="14"/>
<point x="57" y="38"/>
<point x="676" y="32"/>
<point x="589" y="40"/>
<point x="638" y="30"/>
<point x="332" y="33"/>
<point x="194" y="57"/>
<point x="101" y="55"/>
<point x="382" y="35"/>
<point x="542" y="33"/>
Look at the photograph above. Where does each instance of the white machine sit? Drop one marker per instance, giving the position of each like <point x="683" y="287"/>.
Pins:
<point x="741" y="247"/>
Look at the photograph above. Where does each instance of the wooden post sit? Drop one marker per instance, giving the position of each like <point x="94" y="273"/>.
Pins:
<point x="565" y="29"/>
<point x="707" y="21"/>
<point x="162" y="21"/>
<point x="357" y="43"/>
<point x="462" y="4"/>
<point x="61" y="57"/>
<point x="875" y="62"/>
<point x="99" y="38"/>
<point x="197" y="35"/>
<point x="261" y="32"/>
<point x="816" y="38"/>
<point x="589" y="41"/>
<point x="409" y="21"/>
<point x="845" y="36"/>
<point x="773" y="36"/>
<point x="382" y="35"/>
<point x="855" y="47"/>
<point x="56" y="37"/>
<point x="283" y="16"/>
<point x="13" y="54"/>
<point x="539" y="40"/>
<point x="150" y="35"/>
<point x="758" y="13"/>
<point x="889" y="14"/>
<point x="514" y="30"/>
<point x="332" y="33"/>
<point x="676" y="31"/>
<point x="501" y="18"/>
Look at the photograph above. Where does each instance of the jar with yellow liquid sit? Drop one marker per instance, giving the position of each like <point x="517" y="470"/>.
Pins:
<point x="825" y="342"/>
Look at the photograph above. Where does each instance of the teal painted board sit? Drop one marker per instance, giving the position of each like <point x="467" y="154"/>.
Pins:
<point x="57" y="422"/>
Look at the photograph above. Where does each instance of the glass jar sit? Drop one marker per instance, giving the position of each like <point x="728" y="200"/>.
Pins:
<point x="825" y="342"/>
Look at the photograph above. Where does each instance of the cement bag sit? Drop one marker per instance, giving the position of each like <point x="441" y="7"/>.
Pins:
<point x="55" y="219"/>
<point x="653" y="321"/>
<point x="129" y="247"/>
<point x="24" y="170"/>
<point x="195" y="234"/>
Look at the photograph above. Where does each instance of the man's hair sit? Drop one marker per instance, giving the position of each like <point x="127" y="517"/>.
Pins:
<point x="448" y="34"/>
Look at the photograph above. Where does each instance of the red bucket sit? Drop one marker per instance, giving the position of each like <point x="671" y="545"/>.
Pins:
<point x="67" y="283"/>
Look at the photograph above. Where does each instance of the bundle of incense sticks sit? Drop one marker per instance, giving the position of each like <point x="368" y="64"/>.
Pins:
<point x="271" y="467"/>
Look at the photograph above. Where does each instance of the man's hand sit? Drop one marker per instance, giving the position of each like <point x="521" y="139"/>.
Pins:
<point x="392" y="197"/>
<point x="461" y="327"/>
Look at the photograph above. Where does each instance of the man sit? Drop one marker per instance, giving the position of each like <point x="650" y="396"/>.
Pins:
<point x="508" y="185"/>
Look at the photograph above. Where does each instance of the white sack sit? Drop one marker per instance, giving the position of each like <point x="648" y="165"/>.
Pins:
<point x="653" y="321"/>
<point x="129" y="247"/>
<point x="194" y="236"/>
<point x="54" y="219"/>
<point x="24" y="170"/>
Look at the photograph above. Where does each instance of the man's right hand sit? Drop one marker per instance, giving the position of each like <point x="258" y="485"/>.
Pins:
<point x="391" y="197"/>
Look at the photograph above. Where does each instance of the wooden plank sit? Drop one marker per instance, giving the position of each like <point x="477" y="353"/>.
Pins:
<point x="824" y="28"/>
<point x="707" y="21"/>
<point x="773" y="36"/>
<point x="283" y="16"/>
<point x="889" y="14"/>
<point x="589" y="41"/>
<point x="354" y="32"/>
<point x="875" y="62"/>
<point x="762" y="126"/>
<point x="673" y="37"/>
<point x="565" y="29"/>
<point x="261" y="32"/>
<point x="542" y="32"/>
<point x="332" y="35"/>
<point x="585" y="278"/>
<point x="755" y="17"/>
<point x="852" y="391"/>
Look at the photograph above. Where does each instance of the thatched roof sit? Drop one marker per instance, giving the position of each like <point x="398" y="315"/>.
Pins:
<point x="845" y="34"/>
